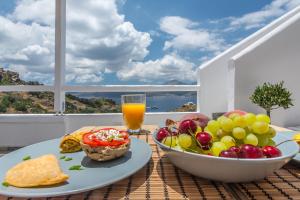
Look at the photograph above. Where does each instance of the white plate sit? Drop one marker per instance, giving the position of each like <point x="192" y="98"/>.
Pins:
<point x="290" y="135"/>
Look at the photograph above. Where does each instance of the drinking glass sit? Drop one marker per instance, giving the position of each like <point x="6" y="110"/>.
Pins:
<point x="133" y="109"/>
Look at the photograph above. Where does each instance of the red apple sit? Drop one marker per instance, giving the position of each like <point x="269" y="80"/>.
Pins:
<point x="235" y="112"/>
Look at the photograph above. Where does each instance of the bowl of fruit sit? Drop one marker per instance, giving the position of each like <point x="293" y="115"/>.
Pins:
<point x="237" y="147"/>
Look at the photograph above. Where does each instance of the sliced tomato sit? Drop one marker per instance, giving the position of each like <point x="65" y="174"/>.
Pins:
<point x="124" y="134"/>
<point x="94" y="142"/>
<point x="86" y="140"/>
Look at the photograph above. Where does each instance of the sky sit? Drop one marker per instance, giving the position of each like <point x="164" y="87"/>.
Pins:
<point x="128" y="41"/>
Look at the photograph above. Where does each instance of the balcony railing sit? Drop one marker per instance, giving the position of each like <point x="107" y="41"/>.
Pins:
<point x="24" y="129"/>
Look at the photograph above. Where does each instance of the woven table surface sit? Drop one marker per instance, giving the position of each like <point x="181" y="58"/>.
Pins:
<point x="159" y="179"/>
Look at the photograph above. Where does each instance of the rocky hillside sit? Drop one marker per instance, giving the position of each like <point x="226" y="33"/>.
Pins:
<point x="43" y="102"/>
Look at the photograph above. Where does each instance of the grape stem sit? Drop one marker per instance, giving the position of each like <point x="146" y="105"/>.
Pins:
<point x="193" y="136"/>
<point x="287" y="141"/>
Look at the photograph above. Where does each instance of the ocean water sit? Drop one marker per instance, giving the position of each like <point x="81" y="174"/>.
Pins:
<point x="155" y="101"/>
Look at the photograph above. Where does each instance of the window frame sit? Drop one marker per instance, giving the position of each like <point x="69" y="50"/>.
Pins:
<point x="60" y="88"/>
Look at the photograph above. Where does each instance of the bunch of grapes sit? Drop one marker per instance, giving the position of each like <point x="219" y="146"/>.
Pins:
<point x="236" y="135"/>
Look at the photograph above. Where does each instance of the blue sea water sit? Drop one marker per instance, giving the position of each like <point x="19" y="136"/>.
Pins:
<point x="155" y="102"/>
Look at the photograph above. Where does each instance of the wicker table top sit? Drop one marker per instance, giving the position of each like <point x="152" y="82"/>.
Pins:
<point x="159" y="179"/>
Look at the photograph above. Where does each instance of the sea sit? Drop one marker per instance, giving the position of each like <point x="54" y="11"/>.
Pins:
<point x="155" y="101"/>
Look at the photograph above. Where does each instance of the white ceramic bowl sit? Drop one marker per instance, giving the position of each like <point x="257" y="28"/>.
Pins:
<point x="230" y="169"/>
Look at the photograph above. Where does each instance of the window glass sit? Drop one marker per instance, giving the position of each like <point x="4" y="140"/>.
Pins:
<point x="95" y="102"/>
<point x="27" y="42"/>
<point x="126" y="43"/>
<point x="26" y="102"/>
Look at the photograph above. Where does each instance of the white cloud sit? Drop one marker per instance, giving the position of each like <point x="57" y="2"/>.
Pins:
<point x="260" y="18"/>
<point x="99" y="40"/>
<point x="170" y="67"/>
<point x="27" y="48"/>
<point x="108" y="43"/>
<point x="186" y="35"/>
<point x="42" y="12"/>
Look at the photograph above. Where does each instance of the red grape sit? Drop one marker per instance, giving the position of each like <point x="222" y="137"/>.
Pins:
<point x="250" y="151"/>
<point x="162" y="133"/>
<point x="200" y="119"/>
<point x="229" y="154"/>
<point x="206" y="147"/>
<point x="271" y="152"/>
<point x="204" y="138"/>
<point x="187" y="126"/>
<point x="235" y="149"/>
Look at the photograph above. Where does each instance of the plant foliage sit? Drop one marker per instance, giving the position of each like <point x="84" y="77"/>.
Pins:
<point x="272" y="96"/>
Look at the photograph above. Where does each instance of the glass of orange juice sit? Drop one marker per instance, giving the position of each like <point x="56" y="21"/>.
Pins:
<point x="133" y="109"/>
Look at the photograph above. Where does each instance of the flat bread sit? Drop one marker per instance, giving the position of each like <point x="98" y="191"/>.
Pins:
<point x="70" y="143"/>
<point x="41" y="171"/>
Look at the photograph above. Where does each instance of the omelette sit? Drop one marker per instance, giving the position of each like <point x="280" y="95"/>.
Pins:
<point x="41" y="171"/>
<point x="70" y="143"/>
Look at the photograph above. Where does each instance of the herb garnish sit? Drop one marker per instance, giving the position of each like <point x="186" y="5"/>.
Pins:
<point x="27" y="158"/>
<point x="62" y="157"/>
<point x="5" y="184"/>
<point x="68" y="159"/>
<point x="76" y="167"/>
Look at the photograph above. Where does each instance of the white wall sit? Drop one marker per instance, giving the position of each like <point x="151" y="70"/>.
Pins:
<point x="214" y="74"/>
<point x="27" y="129"/>
<point x="273" y="58"/>
<point x="22" y="130"/>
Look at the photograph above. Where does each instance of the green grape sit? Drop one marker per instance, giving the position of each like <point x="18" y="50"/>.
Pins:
<point x="271" y="143"/>
<point x="251" y="139"/>
<point x="262" y="140"/>
<point x="271" y="133"/>
<point x="233" y="115"/>
<point x="207" y="152"/>
<point x="263" y="118"/>
<point x="250" y="118"/>
<point x="260" y="127"/>
<point x="248" y="129"/>
<point x="217" y="148"/>
<point x="194" y="144"/>
<point x="220" y="119"/>
<point x="206" y="129"/>
<point x="228" y="141"/>
<point x="226" y="124"/>
<point x="213" y="136"/>
<point x="199" y="129"/>
<point x="239" y="133"/>
<point x="239" y="142"/>
<point x="178" y="147"/>
<point x="221" y="133"/>
<point x="239" y="121"/>
<point x="193" y="148"/>
<point x="213" y="126"/>
<point x="185" y="140"/>
<point x="170" y="141"/>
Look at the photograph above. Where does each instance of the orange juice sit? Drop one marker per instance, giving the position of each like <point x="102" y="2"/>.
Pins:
<point x="133" y="114"/>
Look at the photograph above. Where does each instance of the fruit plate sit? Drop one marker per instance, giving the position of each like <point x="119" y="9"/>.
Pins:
<point x="290" y="135"/>
<point x="231" y="169"/>
<point x="94" y="175"/>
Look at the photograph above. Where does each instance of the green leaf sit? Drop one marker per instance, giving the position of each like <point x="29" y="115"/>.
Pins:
<point x="68" y="159"/>
<point x="26" y="158"/>
<point x="62" y="157"/>
<point x="272" y="96"/>
<point x="76" y="167"/>
<point x="5" y="184"/>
